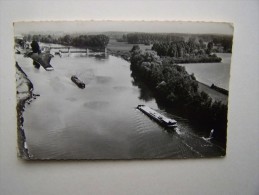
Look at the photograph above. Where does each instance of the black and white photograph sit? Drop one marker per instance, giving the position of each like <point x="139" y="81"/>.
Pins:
<point x="105" y="90"/>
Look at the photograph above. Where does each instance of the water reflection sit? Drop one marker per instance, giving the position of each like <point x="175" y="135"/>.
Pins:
<point x="144" y="92"/>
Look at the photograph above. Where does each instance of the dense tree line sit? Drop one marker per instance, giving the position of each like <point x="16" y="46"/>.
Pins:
<point x="179" y="90"/>
<point x="181" y="48"/>
<point x="225" y="41"/>
<point x="187" y="52"/>
<point x="150" y="38"/>
<point x="196" y="43"/>
<point x="41" y="38"/>
<point x="82" y="41"/>
<point x="86" y="40"/>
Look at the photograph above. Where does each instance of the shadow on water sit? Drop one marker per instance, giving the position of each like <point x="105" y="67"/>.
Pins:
<point x="145" y="93"/>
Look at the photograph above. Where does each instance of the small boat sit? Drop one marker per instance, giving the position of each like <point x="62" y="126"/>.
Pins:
<point x="162" y="120"/>
<point x="79" y="83"/>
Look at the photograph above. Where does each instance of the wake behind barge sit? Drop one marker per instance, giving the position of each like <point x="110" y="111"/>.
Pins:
<point x="162" y="120"/>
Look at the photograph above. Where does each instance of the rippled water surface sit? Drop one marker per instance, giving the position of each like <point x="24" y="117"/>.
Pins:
<point x="100" y="121"/>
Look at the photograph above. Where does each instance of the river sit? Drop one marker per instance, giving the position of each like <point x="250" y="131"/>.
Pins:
<point x="212" y="73"/>
<point x="100" y="121"/>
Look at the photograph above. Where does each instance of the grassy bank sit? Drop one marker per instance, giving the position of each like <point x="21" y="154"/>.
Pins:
<point x="215" y="95"/>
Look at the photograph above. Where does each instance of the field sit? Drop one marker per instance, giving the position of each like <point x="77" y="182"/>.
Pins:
<point x="215" y="95"/>
<point x="122" y="48"/>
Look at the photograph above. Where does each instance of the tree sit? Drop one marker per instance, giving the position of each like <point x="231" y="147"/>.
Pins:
<point x="209" y="47"/>
<point x="67" y="39"/>
<point x="172" y="84"/>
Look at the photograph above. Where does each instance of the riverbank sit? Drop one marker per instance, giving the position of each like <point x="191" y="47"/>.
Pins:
<point x="122" y="54"/>
<point x="122" y="49"/>
<point x="214" y="94"/>
<point x="24" y="94"/>
<point x="195" y="59"/>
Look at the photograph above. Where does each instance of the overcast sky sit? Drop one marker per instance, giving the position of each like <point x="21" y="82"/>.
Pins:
<point x="104" y="26"/>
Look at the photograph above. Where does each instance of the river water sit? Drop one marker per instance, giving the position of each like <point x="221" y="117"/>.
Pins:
<point x="212" y="73"/>
<point x="101" y="121"/>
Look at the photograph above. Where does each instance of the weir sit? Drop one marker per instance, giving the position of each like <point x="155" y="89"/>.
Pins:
<point x="86" y="50"/>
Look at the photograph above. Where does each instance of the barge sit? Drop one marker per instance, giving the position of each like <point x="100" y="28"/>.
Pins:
<point x="79" y="83"/>
<point x="162" y="120"/>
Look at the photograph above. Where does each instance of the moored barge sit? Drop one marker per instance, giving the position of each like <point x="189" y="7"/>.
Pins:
<point x="162" y="120"/>
<point x="79" y="83"/>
